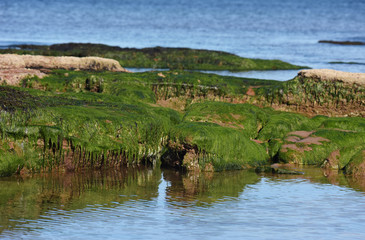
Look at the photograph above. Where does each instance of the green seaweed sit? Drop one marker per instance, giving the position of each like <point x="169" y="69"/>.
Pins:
<point x="157" y="57"/>
<point x="336" y="136"/>
<point x="243" y="117"/>
<point x="224" y="148"/>
<point x="74" y="120"/>
<point x="340" y="62"/>
<point x="99" y="129"/>
<point x="356" y="165"/>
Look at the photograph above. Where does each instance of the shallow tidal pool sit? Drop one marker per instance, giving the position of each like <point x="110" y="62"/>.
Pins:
<point x="165" y="204"/>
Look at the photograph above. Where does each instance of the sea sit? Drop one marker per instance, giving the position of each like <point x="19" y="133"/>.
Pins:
<point x="288" y="30"/>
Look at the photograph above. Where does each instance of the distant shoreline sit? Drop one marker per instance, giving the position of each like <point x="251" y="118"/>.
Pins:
<point x="356" y="43"/>
<point x="157" y="57"/>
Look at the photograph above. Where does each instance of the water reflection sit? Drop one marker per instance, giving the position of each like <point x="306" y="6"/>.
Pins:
<point x="145" y="203"/>
<point x="322" y="176"/>
<point x="206" y="188"/>
<point x="29" y="198"/>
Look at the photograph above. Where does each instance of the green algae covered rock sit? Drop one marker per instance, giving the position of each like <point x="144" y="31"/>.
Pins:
<point x="356" y="165"/>
<point x="158" y="57"/>
<point x="210" y="147"/>
<point x="320" y="92"/>
<point x="333" y="148"/>
<point x="71" y="120"/>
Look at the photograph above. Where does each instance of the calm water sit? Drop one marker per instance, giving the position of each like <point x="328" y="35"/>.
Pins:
<point x="155" y="204"/>
<point x="281" y="75"/>
<point x="288" y="29"/>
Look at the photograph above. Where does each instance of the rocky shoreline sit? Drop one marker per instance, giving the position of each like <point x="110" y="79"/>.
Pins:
<point x="96" y="115"/>
<point x="14" y="68"/>
<point x="342" y="42"/>
<point x="333" y="75"/>
<point x="156" y="57"/>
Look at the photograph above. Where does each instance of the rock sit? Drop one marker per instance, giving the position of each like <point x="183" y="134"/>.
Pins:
<point x="332" y="160"/>
<point x="333" y="75"/>
<point x="11" y="61"/>
<point x="356" y="166"/>
<point x="15" y="75"/>
<point x="342" y="42"/>
<point x="14" y="67"/>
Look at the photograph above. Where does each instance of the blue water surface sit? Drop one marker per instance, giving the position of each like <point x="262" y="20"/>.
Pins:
<point x="171" y="205"/>
<point x="288" y="29"/>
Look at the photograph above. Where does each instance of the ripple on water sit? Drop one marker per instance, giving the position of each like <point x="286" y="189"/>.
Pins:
<point x="262" y="207"/>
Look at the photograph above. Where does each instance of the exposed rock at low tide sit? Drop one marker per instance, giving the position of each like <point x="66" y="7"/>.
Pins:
<point x="15" y="67"/>
<point x="342" y="42"/>
<point x="333" y="75"/>
<point x="321" y="92"/>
